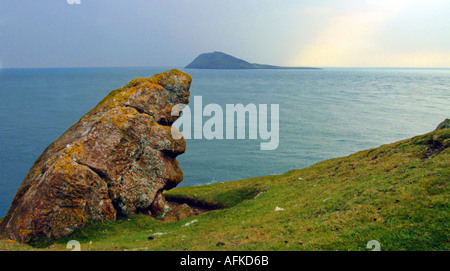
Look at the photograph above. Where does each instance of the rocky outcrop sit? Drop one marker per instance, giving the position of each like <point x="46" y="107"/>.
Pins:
<point x="444" y="125"/>
<point x="116" y="160"/>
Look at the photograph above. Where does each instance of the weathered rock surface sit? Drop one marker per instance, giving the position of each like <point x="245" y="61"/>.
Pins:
<point x="179" y="212"/>
<point x="116" y="160"/>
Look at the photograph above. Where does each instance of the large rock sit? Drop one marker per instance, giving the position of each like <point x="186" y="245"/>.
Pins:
<point x="116" y="160"/>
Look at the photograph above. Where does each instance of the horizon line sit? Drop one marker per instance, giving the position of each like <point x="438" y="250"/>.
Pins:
<point x="180" y="66"/>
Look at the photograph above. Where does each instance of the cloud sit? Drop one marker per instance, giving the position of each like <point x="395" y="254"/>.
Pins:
<point x="416" y="59"/>
<point x="352" y="38"/>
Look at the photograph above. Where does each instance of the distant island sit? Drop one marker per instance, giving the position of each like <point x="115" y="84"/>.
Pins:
<point x="219" y="60"/>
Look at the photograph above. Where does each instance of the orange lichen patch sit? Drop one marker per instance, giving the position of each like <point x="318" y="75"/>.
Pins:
<point x="36" y="173"/>
<point x="23" y="225"/>
<point x="65" y="161"/>
<point x="120" y="117"/>
<point x="75" y="150"/>
<point x="118" y="97"/>
<point x="65" y="166"/>
<point x="172" y="78"/>
<point x="69" y="216"/>
<point x="136" y="82"/>
<point x="141" y="83"/>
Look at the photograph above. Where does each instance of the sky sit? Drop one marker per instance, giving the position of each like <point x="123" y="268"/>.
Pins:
<point x="319" y="33"/>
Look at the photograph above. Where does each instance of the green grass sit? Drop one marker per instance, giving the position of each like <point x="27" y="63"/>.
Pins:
<point x="397" y="194"/>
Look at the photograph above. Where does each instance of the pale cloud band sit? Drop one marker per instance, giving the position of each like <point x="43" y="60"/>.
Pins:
<point x="355" y="38"/>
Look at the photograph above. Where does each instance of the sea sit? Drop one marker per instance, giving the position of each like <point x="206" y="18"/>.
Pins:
<point x="323" y="114"/>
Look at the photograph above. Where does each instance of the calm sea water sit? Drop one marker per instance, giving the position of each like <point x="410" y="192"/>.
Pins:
<point x="323" y="114"/>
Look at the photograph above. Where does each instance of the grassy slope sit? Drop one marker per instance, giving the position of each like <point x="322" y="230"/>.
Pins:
<point x="393" y="194"/>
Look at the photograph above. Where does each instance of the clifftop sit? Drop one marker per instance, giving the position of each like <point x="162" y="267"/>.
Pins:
<point x="396" y="194"/>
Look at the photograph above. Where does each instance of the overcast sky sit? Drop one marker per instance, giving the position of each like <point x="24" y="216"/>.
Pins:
<point x="323" y="33"/>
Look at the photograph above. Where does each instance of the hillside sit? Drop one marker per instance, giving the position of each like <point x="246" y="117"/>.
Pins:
<point x="219" y="60"/>
<point x="397" y="194"/>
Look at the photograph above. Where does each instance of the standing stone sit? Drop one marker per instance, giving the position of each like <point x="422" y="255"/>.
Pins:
<point x="114" y="161"/>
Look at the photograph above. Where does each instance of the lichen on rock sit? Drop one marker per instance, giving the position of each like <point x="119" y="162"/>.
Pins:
<point x="116" y="160"/>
